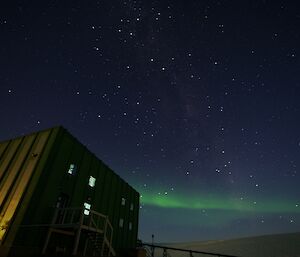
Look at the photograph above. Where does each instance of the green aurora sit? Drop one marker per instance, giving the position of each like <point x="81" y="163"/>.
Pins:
<point x="209" y="202"/>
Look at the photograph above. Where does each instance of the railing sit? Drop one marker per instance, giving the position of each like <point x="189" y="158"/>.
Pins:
<point x="166" y="248"/>
<point x="95" y="221"/>
<point x="82" y="219"/>
<point x="149" y="253"/>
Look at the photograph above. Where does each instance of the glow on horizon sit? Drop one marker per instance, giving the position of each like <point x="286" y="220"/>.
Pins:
<point x="218" y="203"/>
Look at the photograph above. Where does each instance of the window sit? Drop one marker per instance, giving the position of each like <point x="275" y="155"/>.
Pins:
<point x="123" y="202"/>
<point x="130" y="226"/>
<point x="92" y="181"/>
<point x="121" y="223"/>
<point x="87" y="208"/>
<point x="72" y="169"/>
<point x="131" y="206"/>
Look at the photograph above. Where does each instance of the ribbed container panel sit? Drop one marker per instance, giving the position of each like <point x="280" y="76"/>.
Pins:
<point x="18" y="163"/>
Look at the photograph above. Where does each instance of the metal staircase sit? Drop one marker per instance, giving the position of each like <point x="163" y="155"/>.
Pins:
<point x="92" y="228"/>
<point x="96" y="240"/>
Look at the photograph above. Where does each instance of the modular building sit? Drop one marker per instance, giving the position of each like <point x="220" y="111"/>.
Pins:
<point x="56" y="197"/>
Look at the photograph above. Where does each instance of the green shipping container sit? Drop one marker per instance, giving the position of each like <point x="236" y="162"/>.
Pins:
<point x="56" y="197"/>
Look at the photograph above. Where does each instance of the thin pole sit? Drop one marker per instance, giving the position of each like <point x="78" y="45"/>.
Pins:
<point x="152" y="248"/>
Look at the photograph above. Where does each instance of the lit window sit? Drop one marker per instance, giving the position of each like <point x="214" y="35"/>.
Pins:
<point x="87" y="208"/>
<point x="121" y="223"/>
<point x="123" y="201"/>
<point x="130" y="226"/>
<point x="131" y="206"/>
<point x="92" y="181"/>
<point x="72" y="169"/>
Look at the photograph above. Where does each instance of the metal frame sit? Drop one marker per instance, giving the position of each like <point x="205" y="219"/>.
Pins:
<point x="73" y="222"/>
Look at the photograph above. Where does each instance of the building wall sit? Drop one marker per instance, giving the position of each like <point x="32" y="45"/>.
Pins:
<point x="21" y="162"/>
<point x="58" y="149"/>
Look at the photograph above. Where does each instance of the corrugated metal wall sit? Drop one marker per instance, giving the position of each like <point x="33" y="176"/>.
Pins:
<point x="18" y="162"/>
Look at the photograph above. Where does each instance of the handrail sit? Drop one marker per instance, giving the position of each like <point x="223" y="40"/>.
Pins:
<point x="147" y="249"/>
<point x="69" y="217"/>
<point x="97" y="213"/>
<point x="80" y="208"/>
<point x="186" y="250"/>
<point x="75" y="217"/>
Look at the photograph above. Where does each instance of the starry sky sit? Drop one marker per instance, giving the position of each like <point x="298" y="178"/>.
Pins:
<point x="194" y="103"/>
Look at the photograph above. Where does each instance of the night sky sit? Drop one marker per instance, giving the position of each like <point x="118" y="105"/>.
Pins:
<point x="195" y="103"/>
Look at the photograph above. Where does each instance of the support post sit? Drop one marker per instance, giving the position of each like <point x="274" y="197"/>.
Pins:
<point x="77" y="237"/>
<point x="47" y="241"/>
<point x="85" y="246"/>
<point x="50" y="231"/>
<point x="104" y="235"/>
